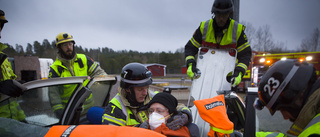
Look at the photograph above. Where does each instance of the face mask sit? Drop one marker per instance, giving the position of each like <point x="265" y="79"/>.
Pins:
<point x="155" y="120"/>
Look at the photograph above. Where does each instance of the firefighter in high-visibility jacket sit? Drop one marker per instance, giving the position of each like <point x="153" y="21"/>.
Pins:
<point x="9" y="108"/>
<point x="68" y="64"/>
<point x="220" y="32"/>
<point x="128" y="107"/>
<point x="292" y="87"/>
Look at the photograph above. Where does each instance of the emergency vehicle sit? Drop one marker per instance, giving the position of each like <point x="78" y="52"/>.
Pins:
<point x="261" y="61"/>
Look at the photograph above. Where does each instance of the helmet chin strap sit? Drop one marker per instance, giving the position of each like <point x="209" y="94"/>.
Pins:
<point x="131" y="96"/>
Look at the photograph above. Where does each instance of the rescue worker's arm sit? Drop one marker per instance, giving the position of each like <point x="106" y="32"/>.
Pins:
<point x="244" y="53"/>
<point x="183" y="118"/>
<point x="244" y="57"/>
<point x="54" y="95"/>
<point x="11" y="88"/>
<point x="7" y="85"/>
<point x="94" y="68"/>
<point x="192" y="46"/>
<point x="191" y="49"/>
<point x="184" y="109"/>
<point x="113" y="115"/>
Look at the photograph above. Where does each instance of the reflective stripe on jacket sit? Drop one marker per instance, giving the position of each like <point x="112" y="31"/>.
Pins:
<point x="270" y="134"/>
<point x="313" y="128"/>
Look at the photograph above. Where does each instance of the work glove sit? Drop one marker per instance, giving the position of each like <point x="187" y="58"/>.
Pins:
<point x="12" y="88"/>
<point x="144" y="125"/>
<point x="234" y="78"/>
<point x="192" y="71"/>
<point x="177" y="121"/>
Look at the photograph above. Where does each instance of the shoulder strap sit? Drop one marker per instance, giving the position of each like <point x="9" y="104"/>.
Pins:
<point x="80" y="62"/>
<point x="60" y="69"/>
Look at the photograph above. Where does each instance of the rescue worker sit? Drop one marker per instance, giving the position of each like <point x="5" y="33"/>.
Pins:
<point x="162" y="108"/>
<point x="220" y="32"/>
<point x="9" y="108"/>
<point x="68" y="64"/>
<point x="291" y="87"/>
<point x="127" y="108"/>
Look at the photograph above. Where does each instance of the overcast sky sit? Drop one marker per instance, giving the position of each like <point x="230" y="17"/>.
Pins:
<point x="147" y="25"/>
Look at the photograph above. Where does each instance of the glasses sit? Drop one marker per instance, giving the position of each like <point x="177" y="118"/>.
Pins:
<point x="67" y="44"/>
<point x="158" y="110"/>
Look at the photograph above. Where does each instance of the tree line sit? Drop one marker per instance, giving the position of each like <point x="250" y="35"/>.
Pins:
<point x="113" y="61"/>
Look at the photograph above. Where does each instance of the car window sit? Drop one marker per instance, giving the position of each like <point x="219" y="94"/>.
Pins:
<point x="100" y="87"/>
<point x="55" y="101"/>
<point x="100" y="90"/>
<point x="38" y="104"/>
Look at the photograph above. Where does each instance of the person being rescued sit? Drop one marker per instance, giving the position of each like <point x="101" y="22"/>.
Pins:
<point x="162" y="109"/>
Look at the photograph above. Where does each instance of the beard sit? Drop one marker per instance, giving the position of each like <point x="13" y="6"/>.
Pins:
<point x="69" y="54"/>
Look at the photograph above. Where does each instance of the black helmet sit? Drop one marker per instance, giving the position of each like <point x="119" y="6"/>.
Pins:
<point x="283" y="84"/>
<point x="135" y="75"/>
<point x="222" y="6"/>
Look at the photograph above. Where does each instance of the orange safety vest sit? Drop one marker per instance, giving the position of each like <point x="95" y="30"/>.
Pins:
<point x="100" y="131"/>
<point x="213" y="111"/>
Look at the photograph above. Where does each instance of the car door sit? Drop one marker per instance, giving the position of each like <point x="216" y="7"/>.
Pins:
<point x="98" y="88"/>
<point x="37" y="102"/>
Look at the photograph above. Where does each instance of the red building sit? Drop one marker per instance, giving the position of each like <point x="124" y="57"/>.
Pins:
<point x="157" y="69"/>
<point x="184" y="69"/>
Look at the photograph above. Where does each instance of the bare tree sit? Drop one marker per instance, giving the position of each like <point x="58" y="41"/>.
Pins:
<point x="311" y="43"/>
<point x="305" y="45"/>
<point x="250" y="32"/>
<point x="278" y="48"/>
<point x="264" y="41"/>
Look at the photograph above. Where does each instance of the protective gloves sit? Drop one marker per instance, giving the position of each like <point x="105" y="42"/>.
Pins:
<point x="234" y="78"/>
<point x="144" y="125"/>
<point x="11" y="88"/>
<point x="192" y="69"/>
<point x="177" y="121"/>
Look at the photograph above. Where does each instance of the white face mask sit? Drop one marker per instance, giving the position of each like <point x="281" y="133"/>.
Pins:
<point x="155" y="120"/>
